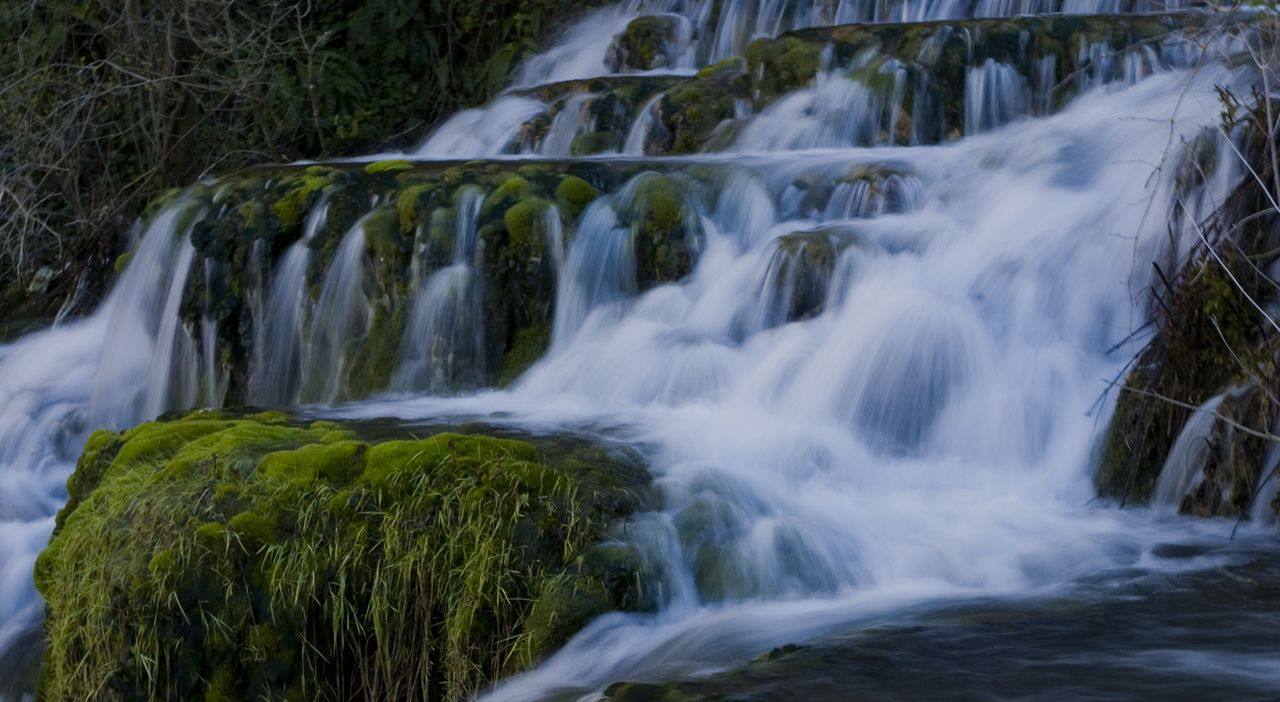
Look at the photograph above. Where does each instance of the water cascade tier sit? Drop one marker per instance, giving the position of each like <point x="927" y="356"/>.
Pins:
<point x="854" y="278"/>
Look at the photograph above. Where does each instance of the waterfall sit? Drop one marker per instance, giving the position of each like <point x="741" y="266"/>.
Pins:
<point x="995" y="93"/>
<point x="146" y="363"/>
<point x="638" y="134"/>
<point x="572" y="119"/>
<point x="131" y="359"/>
<point x="443" y="346"/>
<point x="1183" y="467"/>
<point x="487" y="131"/>
<point x="869" y="389"/>
<point x="275" y="374"/>
<point x="341" y="314"/>
<point x="599" y="269"/>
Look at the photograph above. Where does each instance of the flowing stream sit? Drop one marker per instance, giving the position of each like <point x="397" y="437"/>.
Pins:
<point x="915" y="427"/>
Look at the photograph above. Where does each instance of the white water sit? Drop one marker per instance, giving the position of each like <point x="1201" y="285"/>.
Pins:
<point x="926" y="436"/>
<point x="59" y="384"/>
<point x="341" y="315"/>
<point x="1183" y="468"/>
<point x="444" y="341"/>
<point x="275" y="373"/>
<point x="584" y="48"/>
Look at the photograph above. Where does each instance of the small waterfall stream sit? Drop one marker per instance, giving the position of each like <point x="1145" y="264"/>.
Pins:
<point x="444" y="342"/>
<point x="276" y="371"/>
<point x="868" y="390"/>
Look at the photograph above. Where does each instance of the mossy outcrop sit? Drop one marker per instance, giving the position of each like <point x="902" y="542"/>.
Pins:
<point x="644" y="45"/>
<point x="1211" y="338"/>
<point x="691" y="112"/>
<point x="256" y="557"/>
<point x="665" y="237"/>
<point x="243" y="223"/>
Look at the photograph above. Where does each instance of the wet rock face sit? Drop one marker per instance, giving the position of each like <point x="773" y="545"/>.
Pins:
<point x="246" y="557"/>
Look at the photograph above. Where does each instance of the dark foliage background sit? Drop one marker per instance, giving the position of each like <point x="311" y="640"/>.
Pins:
<point x="103" y="104"/>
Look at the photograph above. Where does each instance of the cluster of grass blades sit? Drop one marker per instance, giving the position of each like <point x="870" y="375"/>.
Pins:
<point x="258" y="558"/>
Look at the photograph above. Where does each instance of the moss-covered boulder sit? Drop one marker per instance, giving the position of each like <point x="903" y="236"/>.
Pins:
<point x="645" y="44"/>
<point x="664" y="231"/>
<point x="256" y="557"/>
<point x="691" y="111"/>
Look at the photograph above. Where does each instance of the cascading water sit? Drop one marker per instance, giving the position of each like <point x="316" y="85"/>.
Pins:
<point x="444" y="342"/>
<point x="275" y="374"/>
<point x="341" y="314"/>
<point x="58" y="385"/>
<point x="869" y="392"/>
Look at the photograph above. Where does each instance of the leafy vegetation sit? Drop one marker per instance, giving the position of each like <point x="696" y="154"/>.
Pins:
<point x="103" y="105"/>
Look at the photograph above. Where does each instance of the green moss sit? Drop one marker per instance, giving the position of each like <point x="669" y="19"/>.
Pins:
<point x="382" y="236"/>
<point x="529" y="345"/>
<point x="378" y="355"/>
<point x="412" y="204"/>
<point x="388" y="166"/>
<point x="589" y="143"/>
<point x="563" y="607"/>
<point x="782" y="65"/>
<point x="692" y="111"/>
<point x="511" y="190"/>
<point x="575" y="194"/>
<point x="300" y="193"/>
<point x="664" y="246"/>
<point x="235" y="559"/>
<point x="222" y="686"/>
<point x="642" y="45"/>
<point x="523" y="223"/>
<point x="660" y="204"/>
<point x="122" y="262"/>
<point x="336" y="462"/>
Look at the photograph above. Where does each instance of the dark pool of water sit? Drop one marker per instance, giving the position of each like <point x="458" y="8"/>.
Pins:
<point x="1209" y="633"/>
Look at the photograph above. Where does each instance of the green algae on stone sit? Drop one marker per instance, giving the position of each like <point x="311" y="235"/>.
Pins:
<point x="663" y="233"/>
<point x="388" y="166"/>
<point x="692" y="111"/>
<point x="642" y="46"/>
<point x="529" y="346"/>
<point x="231" y="558"/>
<point x="575" y="194"/>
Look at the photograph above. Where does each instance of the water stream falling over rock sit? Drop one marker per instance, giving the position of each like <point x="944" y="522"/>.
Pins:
<point x="856" y="307"/>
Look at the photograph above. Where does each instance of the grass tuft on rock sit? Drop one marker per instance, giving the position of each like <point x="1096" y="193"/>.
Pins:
<point x="236" y="558"/>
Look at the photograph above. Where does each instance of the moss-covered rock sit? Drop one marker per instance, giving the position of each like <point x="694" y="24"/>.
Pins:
<point x="691" y="112"/>
<point x="594" y="142"/>
<point x="574" y="194"/>
<point x="529" y="345"/>
<point x="664" y="235"/>
<point x="782" y="65"/>
<point x="1209" y="338"/>
<point x="644" y="44"/>
<point x="250" y="558"/>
